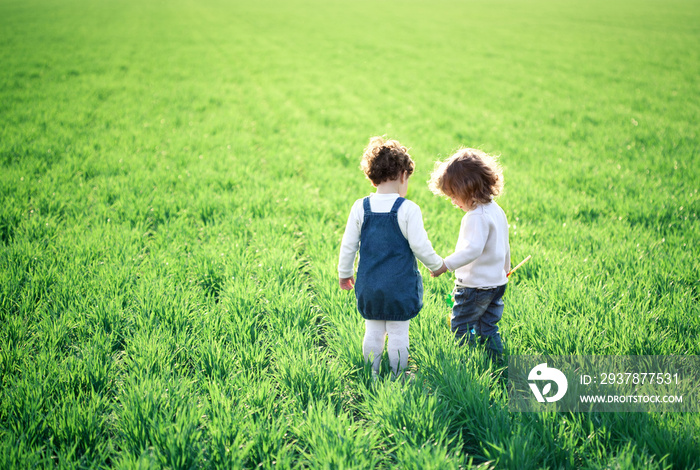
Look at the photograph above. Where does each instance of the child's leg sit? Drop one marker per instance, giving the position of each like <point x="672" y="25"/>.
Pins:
<point x="469" y="306"/>
<point x="373" y="344"/>
<point x="397" y="345"/>
<point x="488" y="323"/>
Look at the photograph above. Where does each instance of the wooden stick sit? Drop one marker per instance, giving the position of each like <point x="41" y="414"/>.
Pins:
<point x="519" y="264"/>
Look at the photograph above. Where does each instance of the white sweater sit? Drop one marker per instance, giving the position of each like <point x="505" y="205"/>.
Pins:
<point x="482" y="256"/>
<point x="410" y="222"/>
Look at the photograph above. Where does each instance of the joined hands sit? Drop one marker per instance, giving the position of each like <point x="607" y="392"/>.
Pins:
<point x="438" y="272"/>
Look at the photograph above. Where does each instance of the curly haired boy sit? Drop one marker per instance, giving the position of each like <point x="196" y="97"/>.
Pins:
<point x="481" y="261"/>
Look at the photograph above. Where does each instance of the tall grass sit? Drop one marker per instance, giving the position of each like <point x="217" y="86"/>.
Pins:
<point x="176" y="177"/>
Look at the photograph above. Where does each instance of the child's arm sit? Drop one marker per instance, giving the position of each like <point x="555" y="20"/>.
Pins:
<point x="419" y="242"/>
<point x="442" y="270"/>
<point x="473" y="235"/>
<point x="347" y="283"/>
<point x="506" y="265"/>
<point x="348" y="250"/>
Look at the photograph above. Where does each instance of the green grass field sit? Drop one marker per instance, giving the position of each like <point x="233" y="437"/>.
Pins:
<point x="175" y="177"/>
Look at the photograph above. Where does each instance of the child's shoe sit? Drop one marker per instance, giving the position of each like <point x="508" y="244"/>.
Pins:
<point x="404" y="376"/>
<point x="469" y="339"/>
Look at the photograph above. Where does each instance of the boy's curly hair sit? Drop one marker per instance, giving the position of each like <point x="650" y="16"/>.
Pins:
<point x="385" y="160"/>
<point x="469" y="174"/>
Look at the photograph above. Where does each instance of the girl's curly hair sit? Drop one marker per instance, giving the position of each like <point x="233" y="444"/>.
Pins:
<point x="469" y="174"/>
<point x="385" y="160"/>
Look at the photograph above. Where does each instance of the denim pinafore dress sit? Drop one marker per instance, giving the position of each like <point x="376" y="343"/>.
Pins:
<point x="389" y="285"/>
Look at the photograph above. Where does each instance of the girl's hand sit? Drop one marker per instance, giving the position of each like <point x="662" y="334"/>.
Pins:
<point x="442" y="270"/>
<point x="347" y="283"/>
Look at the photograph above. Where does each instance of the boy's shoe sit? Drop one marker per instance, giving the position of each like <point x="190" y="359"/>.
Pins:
<point x="495" y="357"/>
<point x="470" y="339"/>
<point x="493" y="344"/>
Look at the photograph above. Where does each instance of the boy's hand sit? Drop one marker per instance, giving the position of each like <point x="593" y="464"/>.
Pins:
<point x="442" y="270"/>
<point x="347" y="283"/>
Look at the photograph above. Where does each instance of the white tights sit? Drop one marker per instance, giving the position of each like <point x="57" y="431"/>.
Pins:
<point x="397" y="346"/>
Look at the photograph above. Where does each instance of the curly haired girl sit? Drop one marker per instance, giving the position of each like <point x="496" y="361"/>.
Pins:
<point x="388" y="231"/>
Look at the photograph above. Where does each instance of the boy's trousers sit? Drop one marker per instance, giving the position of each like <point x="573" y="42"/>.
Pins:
<point x="476" y="312"/>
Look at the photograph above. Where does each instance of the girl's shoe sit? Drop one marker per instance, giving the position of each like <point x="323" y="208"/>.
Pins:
<point x="405" y="376"/>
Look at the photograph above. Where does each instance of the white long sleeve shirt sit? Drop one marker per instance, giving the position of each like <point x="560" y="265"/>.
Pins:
<point x="482" y="255"/>
<point x="410" y="222"/>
